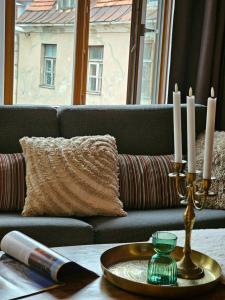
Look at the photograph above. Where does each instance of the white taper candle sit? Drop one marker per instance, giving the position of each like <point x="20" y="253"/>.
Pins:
<point x="209" y="136"/>
<point x="191" y="132"/>
<point x="177" y="125"/>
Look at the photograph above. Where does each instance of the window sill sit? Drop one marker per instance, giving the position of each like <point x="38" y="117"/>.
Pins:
<point x="50" y="87"/>
<point x="94" y="93"/>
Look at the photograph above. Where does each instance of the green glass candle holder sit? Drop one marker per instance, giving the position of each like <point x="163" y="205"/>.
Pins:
<point x="162" y="267"/>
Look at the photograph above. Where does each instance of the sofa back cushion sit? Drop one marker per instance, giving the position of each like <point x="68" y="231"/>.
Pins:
<point x="12" y="182"/>
<point x="138" y="129"/>
<point x="144" y="182"/>
<point x="17" y="121"/>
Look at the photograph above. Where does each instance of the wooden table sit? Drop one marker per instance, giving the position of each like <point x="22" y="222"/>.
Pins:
<point x="100" y="289"/>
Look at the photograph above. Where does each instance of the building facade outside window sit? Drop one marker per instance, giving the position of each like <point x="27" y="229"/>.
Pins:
<point x="49" y="64"/>
<point x="95" y="69"/>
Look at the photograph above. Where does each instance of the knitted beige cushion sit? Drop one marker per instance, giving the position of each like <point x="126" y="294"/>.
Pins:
<point x="218" y="168"/>
<point x="77" y="176"/>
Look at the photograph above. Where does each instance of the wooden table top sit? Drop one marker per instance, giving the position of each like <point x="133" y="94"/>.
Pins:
<point x="99" y="289"/>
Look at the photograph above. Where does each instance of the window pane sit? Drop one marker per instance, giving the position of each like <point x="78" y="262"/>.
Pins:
<point x="92" y="84"/>
<point x="48" y="79"/>
<point x="146" y="84"/>
<point x="50" y="50"/>
<point x="48" y="65"/>
<point x="147" y="51"/>
<point x="109" y="42"/>
<point x="100" y="70"/>
<point x="150" y="65"/>
<point x="66" y="4"/>
<point x="44" y="53"/>
<point x="93" y="70"/>
<point x="95" y="53"/>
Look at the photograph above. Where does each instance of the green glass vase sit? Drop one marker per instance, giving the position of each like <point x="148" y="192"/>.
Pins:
<point x="162" y="267"/>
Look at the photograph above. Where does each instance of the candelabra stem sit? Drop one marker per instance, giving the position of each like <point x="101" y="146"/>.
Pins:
<point x="186" y="267"/>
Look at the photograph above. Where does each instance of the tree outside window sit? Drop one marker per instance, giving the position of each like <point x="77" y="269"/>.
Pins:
<point x="95" y="68"/>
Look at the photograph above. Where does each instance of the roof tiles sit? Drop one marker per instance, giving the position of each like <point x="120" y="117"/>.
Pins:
<point x="42" y="12"/>
<point x="41" y="5"/>
<point x="104" y="3"/>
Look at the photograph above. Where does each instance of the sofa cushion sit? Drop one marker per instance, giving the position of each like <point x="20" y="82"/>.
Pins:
<point x="52" y="232"/>
<point x="138" y="129"/>
<point x="72" y="177"/>
<point x="144" y="181"/>
<point x="218" y="168"/>
<point x="12" y="182"/>
<point x="17" y="121"/>
<point x="139" y="225"/>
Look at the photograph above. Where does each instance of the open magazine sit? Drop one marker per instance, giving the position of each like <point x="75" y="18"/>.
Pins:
<point x="29" y="267"/>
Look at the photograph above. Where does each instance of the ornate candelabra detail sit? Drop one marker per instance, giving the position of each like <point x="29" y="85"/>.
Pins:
<point x="195" y="198"/>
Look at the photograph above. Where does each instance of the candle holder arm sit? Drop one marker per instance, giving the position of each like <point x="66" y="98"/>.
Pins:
<point x="179" y="177"/>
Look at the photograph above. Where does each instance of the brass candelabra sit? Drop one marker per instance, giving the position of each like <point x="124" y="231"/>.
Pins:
<point x="195" y="198"/>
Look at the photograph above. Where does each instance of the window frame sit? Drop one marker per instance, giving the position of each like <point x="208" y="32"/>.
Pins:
<point x="9" y="51"/>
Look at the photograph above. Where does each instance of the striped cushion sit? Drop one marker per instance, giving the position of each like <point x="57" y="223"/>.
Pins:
<point x="144" y="182"/>
<point x="12" y="182"/>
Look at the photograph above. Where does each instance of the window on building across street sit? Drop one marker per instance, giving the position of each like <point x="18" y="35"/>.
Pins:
<point x="95" y="68"/>
<point x="49" y="63"/>
<point x="146" y="88"/>
<point x="66" y="4"/>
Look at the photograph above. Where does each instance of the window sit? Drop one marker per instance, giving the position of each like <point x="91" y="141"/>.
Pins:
<point x="109" y="26"/>
<point x="44" y="54"/>
<point x="146" y="88"/>
<point x="21" y="6"/>
<point x="66" y="4"/>
<point x="49" y="63"/>
<point x="116" y="32"/>
<point x="95" y="67"/>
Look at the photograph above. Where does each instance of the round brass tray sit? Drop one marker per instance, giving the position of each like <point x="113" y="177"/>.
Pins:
<point x="126" y="267"/>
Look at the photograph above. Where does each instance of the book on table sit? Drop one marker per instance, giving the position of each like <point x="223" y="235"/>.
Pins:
<point x="28" y="267"/>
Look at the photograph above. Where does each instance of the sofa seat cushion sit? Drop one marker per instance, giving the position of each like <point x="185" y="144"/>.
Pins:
<point x="51" y="231"/>
<point x="139" y="225"/>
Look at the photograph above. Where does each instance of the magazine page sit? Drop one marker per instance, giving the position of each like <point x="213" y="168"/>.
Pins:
<point x="36" y="255"/>
<point x="17" y="280"/>
<point x="29" y="267"/>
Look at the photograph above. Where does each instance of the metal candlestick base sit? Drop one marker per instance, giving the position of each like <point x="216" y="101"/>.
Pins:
<point x="188" y="270"/>
<point x="196" y="197"/>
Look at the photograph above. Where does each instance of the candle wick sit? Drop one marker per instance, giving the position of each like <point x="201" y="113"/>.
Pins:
<point x="212" y="92"/>
<point x="190" y="91"/>
<point x="176" y="87"/>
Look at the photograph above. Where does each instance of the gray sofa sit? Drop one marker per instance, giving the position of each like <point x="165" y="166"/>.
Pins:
<point x="138" y="130"/>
